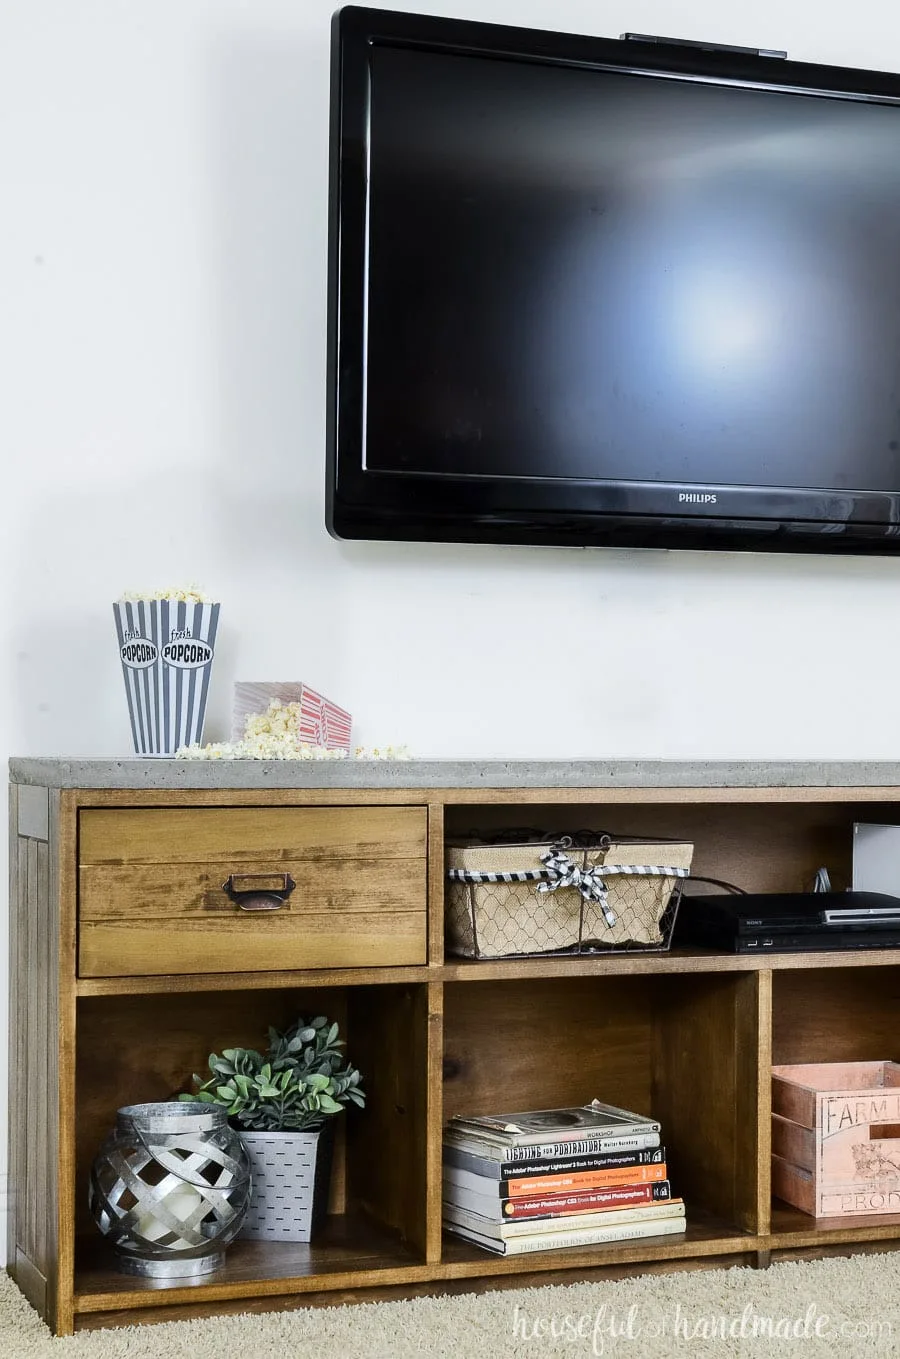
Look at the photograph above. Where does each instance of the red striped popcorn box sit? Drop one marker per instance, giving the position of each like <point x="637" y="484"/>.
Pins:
<point x="322" y="723"/>
<point x="166" y="647"/>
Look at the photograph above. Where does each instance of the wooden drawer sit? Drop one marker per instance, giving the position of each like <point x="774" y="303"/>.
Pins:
<point x="151" y="898"/>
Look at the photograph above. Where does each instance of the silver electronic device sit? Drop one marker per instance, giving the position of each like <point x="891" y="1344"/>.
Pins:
<point x="876" y="859"/>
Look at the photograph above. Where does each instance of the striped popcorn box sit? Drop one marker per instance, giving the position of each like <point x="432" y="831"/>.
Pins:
<point x="322" y="723"/>
<point x="167" y="648"/>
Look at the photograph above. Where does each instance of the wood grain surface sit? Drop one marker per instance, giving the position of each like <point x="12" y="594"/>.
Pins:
<point x="241" y="834"/>
<point x="264" y="941"/>
<point x="38" y="1223"/>
<point x="169" y="970"/>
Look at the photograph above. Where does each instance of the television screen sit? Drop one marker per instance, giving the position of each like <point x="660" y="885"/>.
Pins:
<point x="638" y="284"/>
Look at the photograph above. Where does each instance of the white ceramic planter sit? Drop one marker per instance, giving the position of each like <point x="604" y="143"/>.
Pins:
<point x="290" y="1174"/>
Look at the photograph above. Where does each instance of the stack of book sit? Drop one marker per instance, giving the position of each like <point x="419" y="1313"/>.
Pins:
<point x="552" y="1178"/>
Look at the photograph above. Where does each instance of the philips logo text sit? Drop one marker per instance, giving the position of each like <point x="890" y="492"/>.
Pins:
<point x="695" y="498"/>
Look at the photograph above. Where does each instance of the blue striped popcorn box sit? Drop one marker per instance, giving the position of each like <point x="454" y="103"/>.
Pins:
<point x="167" y="648"/>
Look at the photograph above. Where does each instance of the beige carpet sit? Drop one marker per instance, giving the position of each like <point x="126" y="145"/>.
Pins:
<point x="840" y="1308"/>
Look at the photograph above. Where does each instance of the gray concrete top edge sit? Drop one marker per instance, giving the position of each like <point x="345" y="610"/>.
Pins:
<point x="134" y="773"/>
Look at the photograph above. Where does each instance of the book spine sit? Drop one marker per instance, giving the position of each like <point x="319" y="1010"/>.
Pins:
<point x="591" y="1236"/>
<point x="586" y="1179"/>
<point x="506" y="1170"/>
<point x="551" y="1151"/>
<point x="619" y="1196"/>
<point x="555" y="1184"/>
<point x="558" y="1205"/>
<point x="526" y="1142"/>
<point x="651" y="1212"/>
<point x="505" y="1231"/>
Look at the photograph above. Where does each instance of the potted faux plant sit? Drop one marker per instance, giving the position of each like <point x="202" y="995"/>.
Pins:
<point x="283" y="1104"/>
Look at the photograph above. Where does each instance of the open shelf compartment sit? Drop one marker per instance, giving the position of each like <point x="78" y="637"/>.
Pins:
<point x="130" y="1050"/>
<point x="684" y="1050"/>
<point x="846" y="1014"/>
<point x="760" y="846"/>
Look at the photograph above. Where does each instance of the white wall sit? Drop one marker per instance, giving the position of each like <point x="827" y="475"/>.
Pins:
<point x="163" y="166"/>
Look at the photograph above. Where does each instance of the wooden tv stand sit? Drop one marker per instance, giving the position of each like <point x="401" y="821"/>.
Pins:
<point x="128" y="966"/>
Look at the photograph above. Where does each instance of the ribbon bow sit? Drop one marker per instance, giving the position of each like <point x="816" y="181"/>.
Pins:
<point x="564" y="872"/>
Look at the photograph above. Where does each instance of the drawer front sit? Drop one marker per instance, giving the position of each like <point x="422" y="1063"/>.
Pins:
<point x="152" y="898"/>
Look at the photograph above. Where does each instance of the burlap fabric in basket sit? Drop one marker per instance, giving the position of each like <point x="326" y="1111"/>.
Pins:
<point x="500" y="919"/>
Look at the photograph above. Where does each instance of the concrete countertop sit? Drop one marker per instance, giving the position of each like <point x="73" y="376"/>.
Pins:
<point x="77" y="772"/>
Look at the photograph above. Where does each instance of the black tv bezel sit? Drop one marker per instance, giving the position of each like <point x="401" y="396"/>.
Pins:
<point x="420" y="507"/>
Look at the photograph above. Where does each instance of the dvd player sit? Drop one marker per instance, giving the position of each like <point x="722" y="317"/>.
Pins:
<point x="790" y="922"/>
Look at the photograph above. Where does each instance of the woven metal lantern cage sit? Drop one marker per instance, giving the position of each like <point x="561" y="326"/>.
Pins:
<point x="170" y="1188"/>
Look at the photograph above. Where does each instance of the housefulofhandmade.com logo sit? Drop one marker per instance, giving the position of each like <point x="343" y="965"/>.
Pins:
<point x="608" y="1328"/>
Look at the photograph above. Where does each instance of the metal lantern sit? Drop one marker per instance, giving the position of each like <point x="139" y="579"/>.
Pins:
<point x="170" y="1188"/>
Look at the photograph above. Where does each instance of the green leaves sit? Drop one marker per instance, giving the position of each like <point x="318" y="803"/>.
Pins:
<point x="301" y="1080"/>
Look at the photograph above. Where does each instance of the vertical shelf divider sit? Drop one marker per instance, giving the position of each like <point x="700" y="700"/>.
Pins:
<point x="434" y="1122"/>
<point x="434" y="1098"/>
<point x="435" y="883"/>
<point x="64" y="889"/>
<point x="763" y="1084"/>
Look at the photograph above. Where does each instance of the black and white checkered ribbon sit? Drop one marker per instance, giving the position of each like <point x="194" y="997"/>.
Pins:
<point x="564" y="872"/>
<point x="561" y="871"/>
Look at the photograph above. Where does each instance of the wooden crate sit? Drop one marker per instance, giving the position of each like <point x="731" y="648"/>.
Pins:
<point x="836" y="1137"/>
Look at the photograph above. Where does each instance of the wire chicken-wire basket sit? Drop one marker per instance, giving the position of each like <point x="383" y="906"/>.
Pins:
<point x="563" y="894"/>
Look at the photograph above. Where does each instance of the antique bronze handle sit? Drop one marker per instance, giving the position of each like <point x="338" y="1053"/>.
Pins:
<point x="256" y="897"/>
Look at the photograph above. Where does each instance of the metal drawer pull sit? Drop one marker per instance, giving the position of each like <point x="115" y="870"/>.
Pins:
<point x="258" y="898"/>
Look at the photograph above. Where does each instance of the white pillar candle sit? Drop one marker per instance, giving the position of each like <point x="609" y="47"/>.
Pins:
<point x="181" y="1201"/>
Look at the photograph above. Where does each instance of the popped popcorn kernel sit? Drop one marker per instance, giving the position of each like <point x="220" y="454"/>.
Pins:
<point x="182" y="594"/>
<point x="275" y="735"/>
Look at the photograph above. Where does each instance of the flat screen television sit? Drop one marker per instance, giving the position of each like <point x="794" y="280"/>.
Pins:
<point x="610" y="292"/>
